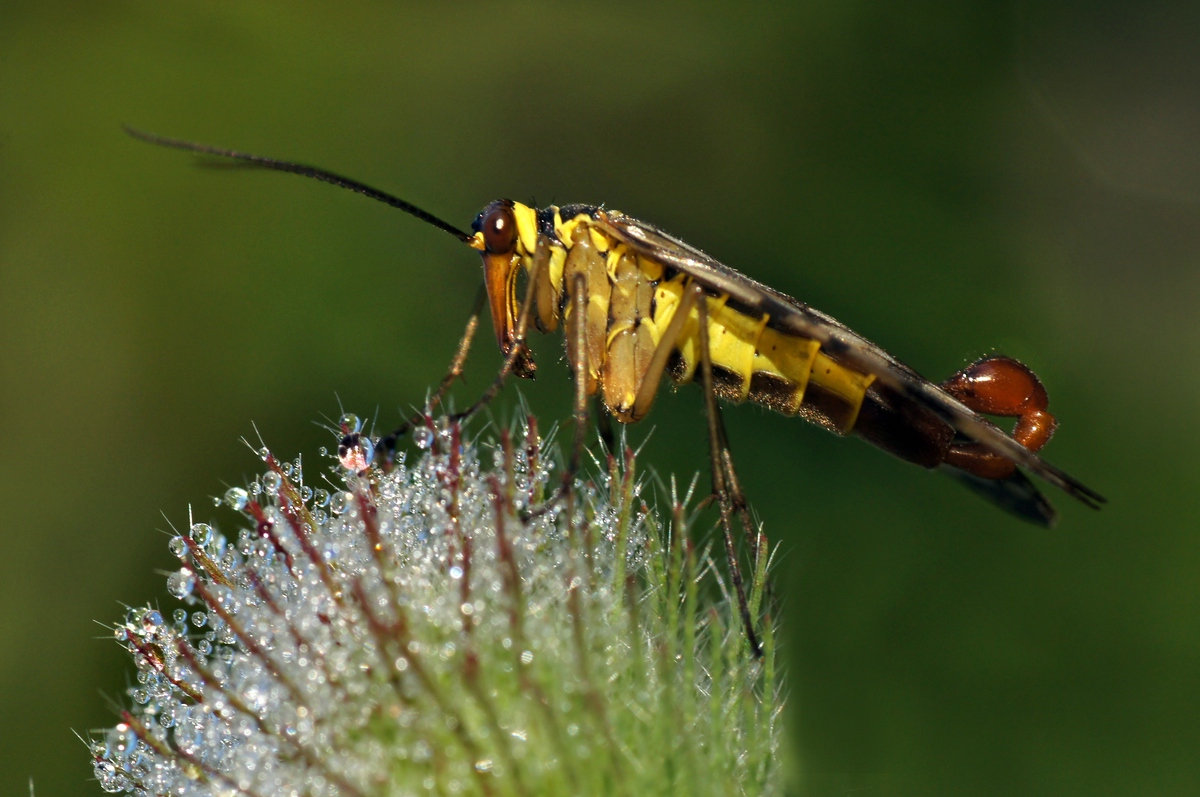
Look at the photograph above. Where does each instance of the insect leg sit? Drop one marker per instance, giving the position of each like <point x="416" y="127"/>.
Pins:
<point x="649" y="389"/>
<point x="387" y="446"/>
<point x="754" y="537"/>
<point x="662" y="352"/>
<point x="604" y="425"/>
<point x="579" y="371"/>
<point x="718" y="453"/>
<point x="576" y="329"/>
<point x="517" y="352"/>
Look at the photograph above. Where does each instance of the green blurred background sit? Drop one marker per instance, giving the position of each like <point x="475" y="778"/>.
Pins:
<point x="948" y="178"/>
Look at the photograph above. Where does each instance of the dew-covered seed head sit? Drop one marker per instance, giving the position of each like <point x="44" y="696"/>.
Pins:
<point x="419" y="631"/>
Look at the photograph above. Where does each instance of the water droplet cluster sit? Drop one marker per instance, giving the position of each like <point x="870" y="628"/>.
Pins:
<point x="435" y="627"/>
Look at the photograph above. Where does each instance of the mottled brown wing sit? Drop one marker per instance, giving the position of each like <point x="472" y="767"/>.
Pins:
<point x="839" y="341"/>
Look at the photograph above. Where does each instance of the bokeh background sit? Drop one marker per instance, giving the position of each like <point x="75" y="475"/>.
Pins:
<point x="950" y="178"/>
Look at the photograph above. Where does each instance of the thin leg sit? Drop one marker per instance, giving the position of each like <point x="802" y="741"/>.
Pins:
<point x="579" y="365"/>
<point x="754" y="538"/>
<point x="576" y="329"/>
<point x="604" y="425"/>
<point x="518" y="351"/>
<point x="649" y="389"/>
<point x="387" y="446"/>
<point x="718" y="453"/>
<point x="658" y="362"/>
<point x="756" y="541"/>
<point x="579" y="369"/>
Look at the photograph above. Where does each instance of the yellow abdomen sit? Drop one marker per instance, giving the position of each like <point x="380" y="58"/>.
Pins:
<point x="755" y="362"/>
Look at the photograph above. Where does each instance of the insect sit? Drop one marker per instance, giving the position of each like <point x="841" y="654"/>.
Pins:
<point x="638" y="304"/>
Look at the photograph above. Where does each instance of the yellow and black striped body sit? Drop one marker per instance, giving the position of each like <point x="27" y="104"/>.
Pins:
<point x="632" y="282"/>
<point x="631" y="300"/>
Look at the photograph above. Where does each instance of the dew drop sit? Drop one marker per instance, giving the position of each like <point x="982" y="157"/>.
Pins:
<point x="272" y="481"/>
<point x="264" y="453"/>
<point x="323" y="451"/>
<point x="179" y="617"/>
<point x="120" y="741"/>
<point x="106" y="774"/>
<point x="216" y="500"/>
<point x="355" y="452"/>
<point x="181" y="583"/>
<point x="201" y="533"/>
<point x="178" y="546"/>
<point x="237" y="498"/>
<point x="245" y="542"/>
<point x="306" y="494"/>
<point x="151" y="620"/>
<point x="199" y="619"/>
<point x="320" y="497"/>
<point x="349" y="423"/>
<point x="456" y="572"/>
<point x="340" y="502"/>
<point x="423" y="436"/>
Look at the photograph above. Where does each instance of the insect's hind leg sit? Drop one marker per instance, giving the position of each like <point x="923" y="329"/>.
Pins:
<point x="387" y="445"/>
<point x="730" y="498"/>
<point x="650" y="381"/>
<point x="1002" y="386"/>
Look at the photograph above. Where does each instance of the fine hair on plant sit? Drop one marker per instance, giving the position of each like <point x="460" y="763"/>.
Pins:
<point x="428" y="625"/>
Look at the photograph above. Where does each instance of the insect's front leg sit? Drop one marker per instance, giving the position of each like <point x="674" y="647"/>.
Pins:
<point x="518" y="351"/>
<point x="387" y="446"/>
<point x="723" y="477"/>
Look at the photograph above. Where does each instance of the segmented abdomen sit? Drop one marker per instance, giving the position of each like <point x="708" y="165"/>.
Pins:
<point x="752" y="361"/>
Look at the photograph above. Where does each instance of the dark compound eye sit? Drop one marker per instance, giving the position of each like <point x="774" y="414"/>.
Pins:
<point x="499" y="230"/>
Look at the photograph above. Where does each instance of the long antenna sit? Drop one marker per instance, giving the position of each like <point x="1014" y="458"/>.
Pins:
<point x="303" y="171"/>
